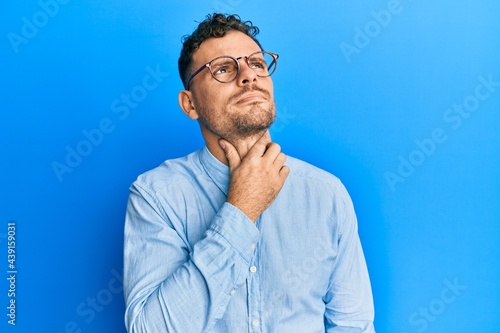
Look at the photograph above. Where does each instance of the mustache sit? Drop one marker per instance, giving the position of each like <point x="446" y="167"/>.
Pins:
<point x="247" y="89"/>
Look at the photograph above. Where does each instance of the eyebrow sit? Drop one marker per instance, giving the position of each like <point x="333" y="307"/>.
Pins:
<point x="228" y="61"/>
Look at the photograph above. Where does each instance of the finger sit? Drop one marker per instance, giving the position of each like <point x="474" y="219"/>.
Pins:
<point x="232" y="156"/>
<point x="284" y="172"/>
<point x="280" y="160"/>
<point x="260" y="146"/>
<point x="272" y="152"/>
<point x="267" y="136"/>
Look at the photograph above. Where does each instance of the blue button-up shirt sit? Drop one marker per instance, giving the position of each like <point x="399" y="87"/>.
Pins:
<point x="194" y="263"/>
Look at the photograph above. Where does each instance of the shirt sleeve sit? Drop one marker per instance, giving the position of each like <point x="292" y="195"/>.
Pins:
<point x="170" y="289"/>
<point x="349" y="300"/>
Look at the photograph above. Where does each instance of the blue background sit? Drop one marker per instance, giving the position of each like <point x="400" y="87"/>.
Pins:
<point x="359" y="93"/>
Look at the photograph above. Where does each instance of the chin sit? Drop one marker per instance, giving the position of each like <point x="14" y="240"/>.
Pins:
<point x="249" y="128"/>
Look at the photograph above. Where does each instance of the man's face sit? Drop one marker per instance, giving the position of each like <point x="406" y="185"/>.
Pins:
<point x="237" y="109"/>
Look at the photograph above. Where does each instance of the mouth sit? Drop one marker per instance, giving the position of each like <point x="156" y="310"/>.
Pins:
<point x="252" y="97"/>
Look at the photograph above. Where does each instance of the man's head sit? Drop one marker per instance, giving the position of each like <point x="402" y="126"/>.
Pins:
<point x="214" y="26"/>
<point x="239" y="108"/>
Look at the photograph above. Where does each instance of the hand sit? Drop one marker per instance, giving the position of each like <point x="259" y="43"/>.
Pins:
<point x="257" y="178"/>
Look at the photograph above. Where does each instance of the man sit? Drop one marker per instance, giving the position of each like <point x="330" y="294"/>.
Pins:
<point x="229" y="238"/>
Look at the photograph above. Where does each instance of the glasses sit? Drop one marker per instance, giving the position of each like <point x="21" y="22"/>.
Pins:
<point x="225" y="69"/>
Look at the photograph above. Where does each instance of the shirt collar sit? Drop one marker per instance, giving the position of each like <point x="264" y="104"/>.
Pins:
<point x="216" y="170"/>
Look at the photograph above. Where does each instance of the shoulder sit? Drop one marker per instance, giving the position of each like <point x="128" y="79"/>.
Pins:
<point x="315" y="180"/>
<point x="171" y="173"/>
<point x="309" y="173"/>
<point x="322" y="192"/>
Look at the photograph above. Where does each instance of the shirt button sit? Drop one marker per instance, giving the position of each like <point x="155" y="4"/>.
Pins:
<point x="252" y="246"/>
<point x="255" y="322"/>
<point x="232" y="292"/>
<point x="253" y="269"/>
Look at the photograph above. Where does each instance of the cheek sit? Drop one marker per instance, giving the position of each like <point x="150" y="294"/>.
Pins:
<point x="217" y="98"/>
<point x="269" y="86"/>
<point x="203" y="98"/>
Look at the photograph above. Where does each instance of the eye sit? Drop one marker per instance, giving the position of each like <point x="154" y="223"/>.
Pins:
<point x="220" y="70"/>
<point x="224" y="67"/>
<point x="256" y="63"/>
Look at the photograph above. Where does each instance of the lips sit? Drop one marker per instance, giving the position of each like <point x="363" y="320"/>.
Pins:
<point x="250" y="98"/>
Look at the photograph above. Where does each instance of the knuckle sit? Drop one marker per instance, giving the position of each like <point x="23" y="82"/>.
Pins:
<point x="274" y="146"/>
<point x="252" y="161"/>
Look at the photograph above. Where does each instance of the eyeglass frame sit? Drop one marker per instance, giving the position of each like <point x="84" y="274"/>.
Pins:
<point x="237" y="60"/>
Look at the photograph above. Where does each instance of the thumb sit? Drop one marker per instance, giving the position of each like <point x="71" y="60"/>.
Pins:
<point x="233" y="158"/>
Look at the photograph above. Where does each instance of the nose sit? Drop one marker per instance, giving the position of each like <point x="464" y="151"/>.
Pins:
<point x="247" y="75"/>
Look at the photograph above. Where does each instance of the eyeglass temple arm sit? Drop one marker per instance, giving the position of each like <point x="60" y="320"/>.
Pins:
<point x="275" y="57"/>
<point x="195" y="73"/>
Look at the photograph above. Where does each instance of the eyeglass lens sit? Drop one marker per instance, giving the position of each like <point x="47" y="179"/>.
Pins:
<point x="225" y="69"/>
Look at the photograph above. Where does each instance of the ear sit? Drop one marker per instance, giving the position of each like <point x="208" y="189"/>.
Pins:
<point x="187" y="105"/>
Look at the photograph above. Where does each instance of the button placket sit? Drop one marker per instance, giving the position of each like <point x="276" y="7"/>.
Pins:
<point x="254" y="297"/>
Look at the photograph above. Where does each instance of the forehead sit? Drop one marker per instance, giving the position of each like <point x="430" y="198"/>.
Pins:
<point x="234" y="43"/>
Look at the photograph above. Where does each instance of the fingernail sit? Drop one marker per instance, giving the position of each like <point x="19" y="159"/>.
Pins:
<point x="222" y="144"/>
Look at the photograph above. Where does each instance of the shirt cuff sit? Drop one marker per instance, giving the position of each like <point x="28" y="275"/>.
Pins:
<point x="237" y="229"/>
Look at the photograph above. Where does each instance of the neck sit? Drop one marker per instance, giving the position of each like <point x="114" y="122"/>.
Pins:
<point x="242" y="145"/>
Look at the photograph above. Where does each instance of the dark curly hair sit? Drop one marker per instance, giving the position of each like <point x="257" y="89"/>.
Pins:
<point x="215" y="25"/>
